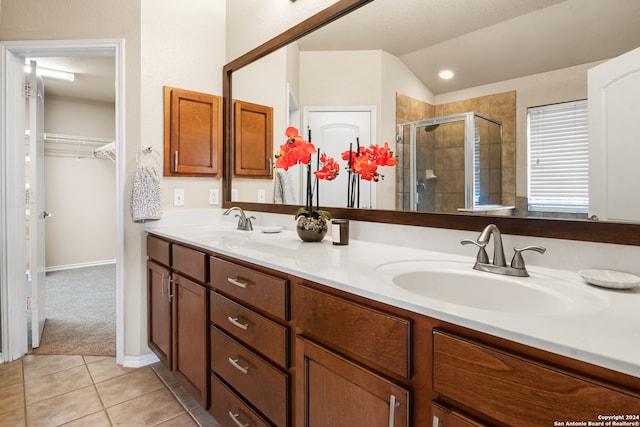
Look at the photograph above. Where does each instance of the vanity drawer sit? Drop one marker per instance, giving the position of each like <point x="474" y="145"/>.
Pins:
<point x="373" y="335"/>
<point x="518" y="391"/>
<point x="262" y="384"/>
<point x="262" y="291"/>
<point x="159" y="250"/>
<point x="229" y="409"/>
<point x="263" y="335"/>
<point x="190" y="262"/>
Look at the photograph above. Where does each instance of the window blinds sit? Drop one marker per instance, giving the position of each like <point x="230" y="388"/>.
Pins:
<point x="559" y="157"/>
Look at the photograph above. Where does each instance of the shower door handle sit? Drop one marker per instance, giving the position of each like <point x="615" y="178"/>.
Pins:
<point x="45" y="215"/>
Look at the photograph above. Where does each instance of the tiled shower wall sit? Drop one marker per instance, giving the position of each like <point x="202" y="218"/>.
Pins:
<point x="446" y="193"/>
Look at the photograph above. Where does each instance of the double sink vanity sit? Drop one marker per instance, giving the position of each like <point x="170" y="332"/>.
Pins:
<point x="263" y="329"/>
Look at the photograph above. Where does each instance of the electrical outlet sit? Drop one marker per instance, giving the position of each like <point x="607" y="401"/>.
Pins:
<point x="178" y="197"/>
<point x="262" y="195"/>
<point x="214" y="198"/>
<point x="234" y="195"/>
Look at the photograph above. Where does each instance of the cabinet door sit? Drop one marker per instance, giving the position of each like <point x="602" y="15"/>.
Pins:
<point x="253" y="140"/>
<point x="192" y="133"/>
<point x="190" y="336"/>
<point x="159" y="312"/>
<point x="447" y="417"/>
<point x="337" y="392"/>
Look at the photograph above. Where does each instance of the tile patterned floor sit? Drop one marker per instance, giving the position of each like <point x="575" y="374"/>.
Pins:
<point x="39" y="390"/>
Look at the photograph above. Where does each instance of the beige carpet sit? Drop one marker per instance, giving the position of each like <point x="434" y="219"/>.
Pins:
<point x="81" y="312"/>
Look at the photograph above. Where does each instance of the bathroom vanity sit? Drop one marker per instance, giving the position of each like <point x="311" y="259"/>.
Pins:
<point x="265" y="330"/>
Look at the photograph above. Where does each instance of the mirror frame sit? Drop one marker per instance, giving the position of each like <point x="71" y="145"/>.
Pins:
<point x="581" y="230"/>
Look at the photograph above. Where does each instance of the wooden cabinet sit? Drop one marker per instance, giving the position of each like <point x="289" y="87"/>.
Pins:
<point x="159" y="312"/>
<point x="515" y="390"/>
<point x="178" y="313"/>
<point x="338" y="392"/>
<point x="250" y="345"/>
<point x="369" y="335"/>
<point x="190" y="336"/>
<point x="444" y="416"/>
<point x="253" y="140"/>
<point x="268" y="353"/>
<point x="192" y="133"/>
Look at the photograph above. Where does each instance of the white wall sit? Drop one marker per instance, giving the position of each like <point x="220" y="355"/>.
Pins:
<point x="80" y="193"/>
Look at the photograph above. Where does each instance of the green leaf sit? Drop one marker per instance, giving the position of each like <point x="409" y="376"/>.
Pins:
<point x="302" y="212"/>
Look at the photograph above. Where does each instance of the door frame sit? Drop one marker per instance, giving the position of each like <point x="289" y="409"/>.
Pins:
<point x="12" y="245"/>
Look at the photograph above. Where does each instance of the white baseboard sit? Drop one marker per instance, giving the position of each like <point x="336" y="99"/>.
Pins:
<point x="80" y="265"/>
<point x="139" y="361"/>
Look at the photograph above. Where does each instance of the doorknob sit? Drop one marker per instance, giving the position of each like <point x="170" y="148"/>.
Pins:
<point x="46" y="214"/>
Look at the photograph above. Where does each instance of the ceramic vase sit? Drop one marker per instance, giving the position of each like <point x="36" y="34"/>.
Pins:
<point x="311" y="229"/>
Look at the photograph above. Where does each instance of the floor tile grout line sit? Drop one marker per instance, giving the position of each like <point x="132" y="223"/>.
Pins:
<point x="175" y="395"/>
<point x="93" y="381"/>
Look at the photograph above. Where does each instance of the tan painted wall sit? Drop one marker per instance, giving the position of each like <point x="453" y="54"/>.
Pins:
<point x="80" y="192"/>
<point x="166" y="43"/>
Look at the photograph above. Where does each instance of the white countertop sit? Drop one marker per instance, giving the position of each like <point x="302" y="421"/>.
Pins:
<point x="608" y="336"/>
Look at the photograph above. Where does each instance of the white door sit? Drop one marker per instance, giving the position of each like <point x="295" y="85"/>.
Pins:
<point x="37" y="213"/>
<point x="334" y="132"/>
<point x="614" y="151"/>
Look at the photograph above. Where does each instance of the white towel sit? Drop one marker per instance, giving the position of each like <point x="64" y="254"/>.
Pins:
<point x="283" y="188"/>
<point x="145" y="196"/>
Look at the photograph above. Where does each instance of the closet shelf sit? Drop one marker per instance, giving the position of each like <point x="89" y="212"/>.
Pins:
<point x="79" y="146"/>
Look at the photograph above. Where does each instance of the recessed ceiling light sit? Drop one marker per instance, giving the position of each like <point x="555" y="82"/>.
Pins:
<point x="446" y="74"/>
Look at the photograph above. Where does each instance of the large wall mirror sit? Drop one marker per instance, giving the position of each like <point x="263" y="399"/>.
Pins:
<point x="374" y="64"/>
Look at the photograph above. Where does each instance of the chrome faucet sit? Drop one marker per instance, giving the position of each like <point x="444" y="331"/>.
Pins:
<point x="499" y="265"/>
<point x="244" y="223"/>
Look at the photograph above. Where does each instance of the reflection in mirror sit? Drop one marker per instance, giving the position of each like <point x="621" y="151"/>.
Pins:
<point x="317" y="72"/>
<point x="464" y="151"/>
<point x="521" y="54"/>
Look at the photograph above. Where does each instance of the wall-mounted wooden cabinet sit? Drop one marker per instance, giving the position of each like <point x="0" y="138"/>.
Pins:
<point x="192" y="133"/>
<point x="253" y="140"/>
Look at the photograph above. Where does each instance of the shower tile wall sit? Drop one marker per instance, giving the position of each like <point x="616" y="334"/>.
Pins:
<point x="448" y="196"/>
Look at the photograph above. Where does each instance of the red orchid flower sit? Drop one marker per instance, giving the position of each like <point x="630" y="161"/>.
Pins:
<point x="294" y="151"/>
<point x="330" y="169"/>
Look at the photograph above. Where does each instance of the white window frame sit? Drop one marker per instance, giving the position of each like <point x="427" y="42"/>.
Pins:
<point x="558" y="157"/>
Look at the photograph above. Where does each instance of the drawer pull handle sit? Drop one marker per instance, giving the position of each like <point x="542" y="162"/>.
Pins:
<point x="234" y="321"/>
<point x="238" y="282"/>
<point x="234" y="363"/>
<point x="392" y="410"/>
<point x="234" y="418"/>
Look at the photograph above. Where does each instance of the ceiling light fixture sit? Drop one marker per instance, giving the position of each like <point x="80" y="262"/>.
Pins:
<point x="50" y="73"/>
<point x="446" y="74"/>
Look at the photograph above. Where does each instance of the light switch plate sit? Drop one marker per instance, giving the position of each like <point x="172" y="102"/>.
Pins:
<point x="262" y="195"/>
<point x="234" y="195"/>
<point x="178" y="197"/>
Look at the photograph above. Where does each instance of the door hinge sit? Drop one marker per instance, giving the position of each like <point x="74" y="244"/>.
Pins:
<point x="27" y="90"/>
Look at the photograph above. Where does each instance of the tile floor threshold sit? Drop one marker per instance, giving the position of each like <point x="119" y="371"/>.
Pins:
<point x="39" y="390"/>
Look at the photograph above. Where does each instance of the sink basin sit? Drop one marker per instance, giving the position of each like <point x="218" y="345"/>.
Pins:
<point x="458" y="283"/>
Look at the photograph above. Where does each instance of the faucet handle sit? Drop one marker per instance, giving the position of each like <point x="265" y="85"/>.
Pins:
<point x="517" y="261"/>
<point x="482" y="256"/>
